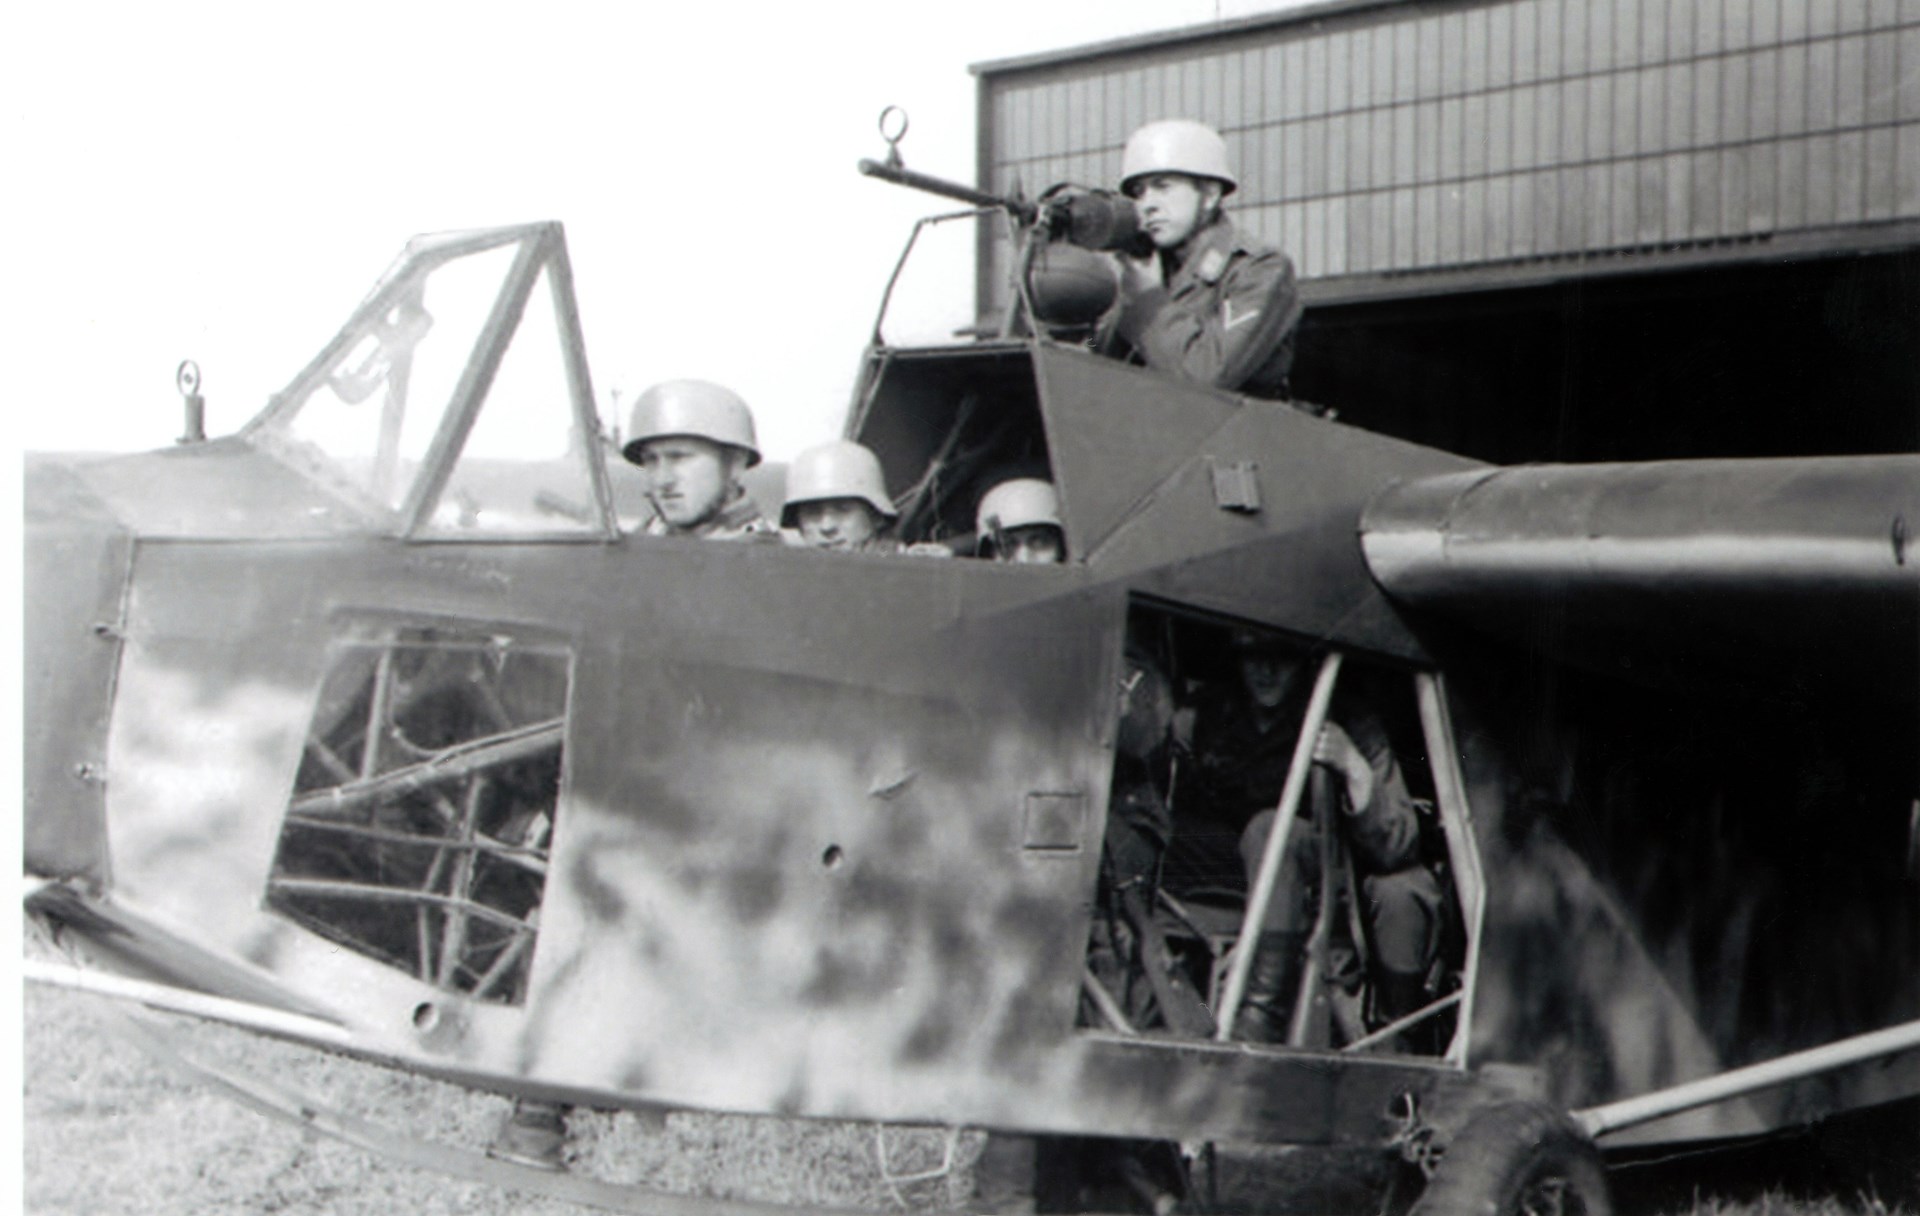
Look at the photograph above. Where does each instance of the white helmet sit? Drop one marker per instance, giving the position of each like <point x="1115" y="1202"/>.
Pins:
<point x="1177" y="145"/>
<point x="697" y="408"/>
<point x="841" y="469"/>
<point x="1019" y="503"/>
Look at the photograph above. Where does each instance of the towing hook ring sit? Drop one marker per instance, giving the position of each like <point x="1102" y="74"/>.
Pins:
<point x="893" y="129"/>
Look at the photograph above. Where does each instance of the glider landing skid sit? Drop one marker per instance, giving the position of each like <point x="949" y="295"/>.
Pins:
<point x="279" y="1100"/>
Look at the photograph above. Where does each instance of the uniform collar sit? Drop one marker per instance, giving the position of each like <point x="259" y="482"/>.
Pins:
<point x="1207" y="253"/>
<point x="737" y="514"/>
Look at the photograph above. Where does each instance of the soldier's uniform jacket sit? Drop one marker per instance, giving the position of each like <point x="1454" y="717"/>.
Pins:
<point x="739" y="519"/>
<point x="1242" y="769"/>
<point x="1225" y="317"/>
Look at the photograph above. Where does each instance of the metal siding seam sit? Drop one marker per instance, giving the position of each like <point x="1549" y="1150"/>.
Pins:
<point x="1766" y="22"/>
<point x="1405" y="225"/>
<point x="1334" y="218"/>
<point x="1791" y="201"/>
<point x="1709" y="34"/>
<point x="1601" y="132"/>
<point x="1822" y="153"/>
<point x="1706" y="103"/>
<point x="1526" y="42"/>
<point x="1339" y="174"/>
<point x="1498" y="46"/>
<point x="1822" y="89"/>
<point x="1359" y="149"/>
<point x="1473" y="222"/>
<point x="1882" y="78"/>
<point x="1476" y="51"/>
<point x="1650" y="187"/>
<point x="1763" y="94"/>
<point x="1763" y="175"/>
<point x="1231" y="112"/>
<point x="1790" y="104"/>
<point x="1315" y="135"/>
<point x="1850" y="78"/>
<point x="1426" y="143"/>
<point x="1794" y="20"/>
<point x="1650" y="113"/>
<point x="1499" y="129"/>
<point x="1738" y="24"/>
<point x="1499" y="218"/>
<point x="1850" y="176"/>
<point x="1676" y="101"/>
<point x="1907" y="170"/>
<point x="1878" y="197"/>
<point x="1453" y="53"/>
<point x="1654" y="27"/>
<point x="1427" y="59"/>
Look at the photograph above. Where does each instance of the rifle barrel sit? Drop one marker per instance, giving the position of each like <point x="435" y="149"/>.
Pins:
<point x="900" y="175"/>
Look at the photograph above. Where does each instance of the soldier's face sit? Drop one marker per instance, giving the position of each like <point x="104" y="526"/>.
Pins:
<point x="1173" y="206"/>
<point x="688" y="479"/>
<point x="1033" y="545"/>
<point x="1268" y="678"/>
<point x="837" y="523"/>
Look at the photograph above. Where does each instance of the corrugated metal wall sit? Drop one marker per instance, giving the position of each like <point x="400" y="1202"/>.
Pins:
<point x="1432" y="135"/>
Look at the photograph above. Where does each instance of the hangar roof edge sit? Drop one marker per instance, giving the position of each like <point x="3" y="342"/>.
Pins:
<point x="1305" y="14"/>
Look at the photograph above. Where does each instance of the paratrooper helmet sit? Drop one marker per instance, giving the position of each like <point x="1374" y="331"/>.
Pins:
<point x="1021" y="502"/>
<point x="1176" y="145"/>
<point x="697" y="408"/>
<point x="841" y="469"/>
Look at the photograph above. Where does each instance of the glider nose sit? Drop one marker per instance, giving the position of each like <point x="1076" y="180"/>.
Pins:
<point x="76" y="563"/>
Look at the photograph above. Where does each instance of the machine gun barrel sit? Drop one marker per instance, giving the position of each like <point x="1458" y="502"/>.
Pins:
<point x="1021" y="210"/>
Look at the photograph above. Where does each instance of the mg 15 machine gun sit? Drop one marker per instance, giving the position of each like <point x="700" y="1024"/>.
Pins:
<point x="1064" y="282"/>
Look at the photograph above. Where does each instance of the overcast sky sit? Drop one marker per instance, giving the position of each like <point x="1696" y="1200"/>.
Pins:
<point x="225" y="181"/>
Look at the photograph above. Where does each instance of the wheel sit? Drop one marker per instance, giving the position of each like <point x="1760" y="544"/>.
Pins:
<point x="1518" y="1159"/>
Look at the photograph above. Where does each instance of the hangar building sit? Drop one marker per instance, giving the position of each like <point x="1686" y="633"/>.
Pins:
<point x="1548" y="229"/>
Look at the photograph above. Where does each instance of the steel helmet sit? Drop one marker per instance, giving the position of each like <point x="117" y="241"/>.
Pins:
<point x="699" y="408"/>
<point x="841" y="469"/>
<point x="1177" y="145"/>
<point x="1019" y="503"/>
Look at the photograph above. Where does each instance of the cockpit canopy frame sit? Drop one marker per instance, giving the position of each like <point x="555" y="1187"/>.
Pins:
<point x="411" y="463"/>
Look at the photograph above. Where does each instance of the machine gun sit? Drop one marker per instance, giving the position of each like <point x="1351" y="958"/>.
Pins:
<point x="1091" y="218"/>
<point x="1066" y="283"/>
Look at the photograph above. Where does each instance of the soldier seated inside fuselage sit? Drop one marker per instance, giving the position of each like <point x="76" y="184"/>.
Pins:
<point x="1200" y="764"/>
<point x="1018" y="521"/>
<point x="837" y="501"/>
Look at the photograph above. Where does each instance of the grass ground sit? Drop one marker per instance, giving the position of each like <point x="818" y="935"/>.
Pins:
<point x="109" y="1132"/>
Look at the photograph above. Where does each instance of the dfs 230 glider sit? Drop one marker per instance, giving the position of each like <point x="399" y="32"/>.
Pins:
<point x="378" y="726"/>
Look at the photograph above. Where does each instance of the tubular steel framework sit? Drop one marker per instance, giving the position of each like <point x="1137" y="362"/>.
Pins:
<point x="419" y="826"/>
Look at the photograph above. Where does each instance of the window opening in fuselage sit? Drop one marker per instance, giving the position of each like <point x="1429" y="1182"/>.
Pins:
<point x="418" y="829"/>
<point x="1211" y="714"/>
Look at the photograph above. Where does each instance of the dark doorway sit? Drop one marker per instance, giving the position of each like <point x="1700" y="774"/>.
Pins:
<point x="1812" y="357"/>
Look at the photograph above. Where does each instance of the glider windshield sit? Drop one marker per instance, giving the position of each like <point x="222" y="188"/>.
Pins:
<point x="455" y="401"/>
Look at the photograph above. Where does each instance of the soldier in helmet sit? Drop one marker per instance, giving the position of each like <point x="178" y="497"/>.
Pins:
<point x="1210" y="303"/>
<point x="1019" y="522"/>
<point x="1243" y="746"/>
<point x="837" y="499"/>
<point x="694" y="439"/>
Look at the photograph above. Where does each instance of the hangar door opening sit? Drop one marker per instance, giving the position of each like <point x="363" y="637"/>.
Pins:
<point x="1819" y="356"/>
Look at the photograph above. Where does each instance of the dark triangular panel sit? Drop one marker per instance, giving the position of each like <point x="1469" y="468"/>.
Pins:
<point x="1114" y="432"/>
